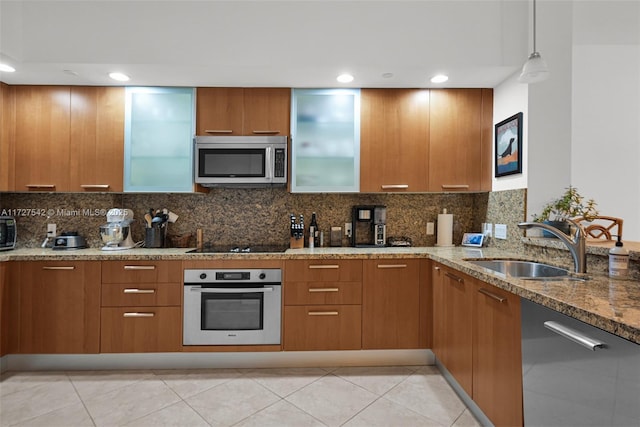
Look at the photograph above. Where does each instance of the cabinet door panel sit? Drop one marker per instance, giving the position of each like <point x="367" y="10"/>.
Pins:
<point x="42" y="138"/>
<point x="391" y="304"/>
<point x="267" y="111"/>
<point x="394" y="140"/>
<point x="141" y="271"/>
<point x="219" y="111"/>
<point x="322" y="327"/>
<point x="7" y="136"/>
<point x="59" y="307"/>
<point x="97" y="138"/>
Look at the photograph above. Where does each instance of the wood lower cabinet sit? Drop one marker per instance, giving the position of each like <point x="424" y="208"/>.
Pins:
<point x="497" y="355"/>
<point x="322" y="305"/>
<point x="460" y="139"/>
<point x="391" y="304"/>
<point x="394" y="140"/>
<point x="141" y="306"/>
<point x="243" y="111"/>
<point x="59" y="307"/>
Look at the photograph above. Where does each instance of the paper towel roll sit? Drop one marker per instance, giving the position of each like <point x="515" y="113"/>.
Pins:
<point x="445" y="229"/>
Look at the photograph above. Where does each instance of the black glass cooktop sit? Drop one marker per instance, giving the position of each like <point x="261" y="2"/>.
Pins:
<point x="240" y="249"/>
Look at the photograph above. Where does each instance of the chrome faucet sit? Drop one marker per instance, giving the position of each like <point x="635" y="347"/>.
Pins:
<point x="576" y="243"/>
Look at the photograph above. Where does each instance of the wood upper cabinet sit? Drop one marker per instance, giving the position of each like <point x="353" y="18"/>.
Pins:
<point x="97" y="138"/>
<point x="59" y="307"/>
<point x="391" y="304"/>
<point x="497" y="355"/>
<point x="460" y="139"/>
<point x="394" y="140"/>
<point x="243" y="111"/>
<point x="7" y="136"/>
<point x="42" y="129"/>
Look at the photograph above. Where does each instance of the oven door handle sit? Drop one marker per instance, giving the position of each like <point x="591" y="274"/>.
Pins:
<point x="229" y="290"/>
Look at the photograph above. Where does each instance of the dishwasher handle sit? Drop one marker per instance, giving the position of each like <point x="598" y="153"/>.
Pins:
<point x="573" y="335"/>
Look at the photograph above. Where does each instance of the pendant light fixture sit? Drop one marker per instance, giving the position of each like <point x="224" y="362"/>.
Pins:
<point x="535" y="69"/>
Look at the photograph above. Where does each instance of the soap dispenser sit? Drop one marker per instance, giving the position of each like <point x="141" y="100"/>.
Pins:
<point x="618" y="261"/>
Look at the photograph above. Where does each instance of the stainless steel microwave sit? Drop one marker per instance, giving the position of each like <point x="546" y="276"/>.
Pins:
<point x="240" y="161"/>
<point x="8" y="233"/>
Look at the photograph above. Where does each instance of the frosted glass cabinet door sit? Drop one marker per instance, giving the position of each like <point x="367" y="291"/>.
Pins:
<point x="325" y="141"/>
<point x="159" y="129"/>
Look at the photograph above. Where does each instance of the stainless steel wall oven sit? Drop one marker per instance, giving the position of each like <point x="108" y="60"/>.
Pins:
<point x="232" y="306"/>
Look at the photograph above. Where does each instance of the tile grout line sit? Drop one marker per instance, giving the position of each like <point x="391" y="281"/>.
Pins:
<point x="81" y="399"/>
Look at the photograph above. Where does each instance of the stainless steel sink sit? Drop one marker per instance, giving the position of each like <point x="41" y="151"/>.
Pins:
<point x="522" y="269"/>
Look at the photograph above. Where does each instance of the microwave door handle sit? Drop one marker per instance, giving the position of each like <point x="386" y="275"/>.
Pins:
<point x="230" y="290"/>
<point x="268" y="167"/>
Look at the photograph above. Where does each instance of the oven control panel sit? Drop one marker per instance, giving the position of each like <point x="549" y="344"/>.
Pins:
<point x="252" y="275"/>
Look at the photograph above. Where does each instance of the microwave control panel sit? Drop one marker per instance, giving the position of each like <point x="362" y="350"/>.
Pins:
<point x="280" y="159"/>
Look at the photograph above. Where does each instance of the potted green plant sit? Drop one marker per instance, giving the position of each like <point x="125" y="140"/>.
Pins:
<point x="570" y="205"/>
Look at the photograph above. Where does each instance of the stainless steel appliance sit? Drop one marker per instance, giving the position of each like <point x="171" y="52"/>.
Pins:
<point x="116" y="233"/>
<point x="232" y="306"/>
<point x="69" y="240"/>
<point x="8" y="233"/>
<point x="369" y="226"/>
<point x="240" y="161"/>
<point x="575" y="374"/>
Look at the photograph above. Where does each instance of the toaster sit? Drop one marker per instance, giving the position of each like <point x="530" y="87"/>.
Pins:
<point x="69" y="240"/>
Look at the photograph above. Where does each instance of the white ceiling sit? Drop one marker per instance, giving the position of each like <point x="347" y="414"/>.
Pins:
<point x="302" y="43"/>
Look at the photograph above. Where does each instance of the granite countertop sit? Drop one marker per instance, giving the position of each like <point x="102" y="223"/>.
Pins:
<point x="612" y="305"/>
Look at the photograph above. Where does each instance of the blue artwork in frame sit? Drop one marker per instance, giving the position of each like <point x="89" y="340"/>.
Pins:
<point x="508" y="146"/>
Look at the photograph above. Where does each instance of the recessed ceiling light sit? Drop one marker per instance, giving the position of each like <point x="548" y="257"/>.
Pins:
<point x="387" y="75"/>
<point x="6" y="68"/>
<point x="345" y="78"/>
<point x="119" y="77"/>
<point x="440" y="78"/>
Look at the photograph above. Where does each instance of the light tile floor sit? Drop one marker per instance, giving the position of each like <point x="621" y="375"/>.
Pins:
<point x="346" y="396"/>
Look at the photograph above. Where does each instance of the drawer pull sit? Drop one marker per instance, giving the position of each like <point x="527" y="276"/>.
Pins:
<point x="455" y="186"/>
<point x="94" y="186"/>
<point x="436" y="268"/>
<point x="30" y="186"/>
<point x="138" y="314"/>
<point x="265" y="132"/>
<point x="394" y="186"/>
<point x="323" y="289"/>
<point x="139" y="291"/>
<point x="392" y="265"/>
<point x="491" y="295"/>
<point x="575" y="336"/>
<point x="324" y="266"/>
<point x="454" y="277"/>
<point x="218" y="131"/>
<point x="139" y="267"/>
<point x="59" y="268"/>
<point x="323" y="313"/>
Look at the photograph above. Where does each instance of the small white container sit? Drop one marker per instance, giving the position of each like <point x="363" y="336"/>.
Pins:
<point x="618" y="261"/>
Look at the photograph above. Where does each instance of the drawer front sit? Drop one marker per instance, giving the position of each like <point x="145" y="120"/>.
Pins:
<point x="322" y="293"/>
<point x="322" y="327"/>
<point x="140" y="329"/>
<point x="323" y="271"/>
<point x="141" y="271"/>
<point x="141" y="294"/>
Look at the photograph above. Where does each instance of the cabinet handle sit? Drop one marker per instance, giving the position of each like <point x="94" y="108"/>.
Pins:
<point x="30" y="186"/>
<point x="491" y="295"/>
<point x="394" y="186"/>
<point x="323" y="289"/>
<point x="59" y="268"/>
<point x="436" y="268"/>
<point x="219" y="131"/>
<point x="324" y="266"/>
<point x="322" y="313"/>
<point x="139" y="291"/>
<point x="95" y="186"/>
<point x="455" y="186"/>
<point x="138" y="314"/>
<point x="265" y="132"/>
<point x="454" y="277"/>
<point x="575" y="336"/>
<point x="139" y="267"/>
<point x="392" y="265"/>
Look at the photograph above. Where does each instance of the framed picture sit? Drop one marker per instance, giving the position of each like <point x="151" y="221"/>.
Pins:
<point x="508" y="146"/>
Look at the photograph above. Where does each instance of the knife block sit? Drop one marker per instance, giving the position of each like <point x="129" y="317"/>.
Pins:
<point x="296" y="243"/>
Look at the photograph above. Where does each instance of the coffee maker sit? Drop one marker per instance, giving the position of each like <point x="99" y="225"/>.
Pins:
<point x="369" y="226"/>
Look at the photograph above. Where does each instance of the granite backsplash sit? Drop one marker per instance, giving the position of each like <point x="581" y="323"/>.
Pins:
<point x="261" y="216"/>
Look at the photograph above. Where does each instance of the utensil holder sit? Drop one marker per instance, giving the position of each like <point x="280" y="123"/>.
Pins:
<point x="296" y="243"/>
<point x="154" y="237"/>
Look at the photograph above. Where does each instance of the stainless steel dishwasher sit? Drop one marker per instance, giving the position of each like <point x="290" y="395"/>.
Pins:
<point x="575" y="374"/>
